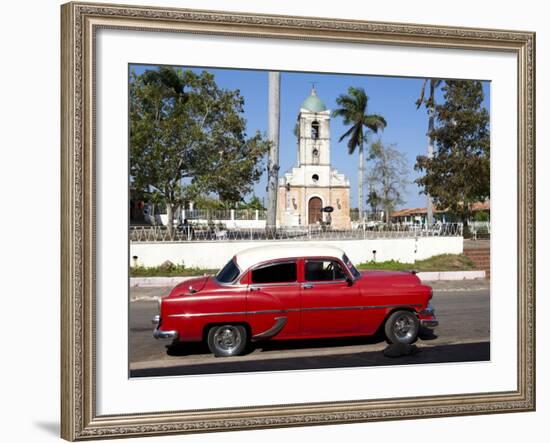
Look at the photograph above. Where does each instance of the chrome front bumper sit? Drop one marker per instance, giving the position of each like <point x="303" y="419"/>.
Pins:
<point x="432" y="323"/>
<point x="429" y="322"/>
<point x="157" y="333"/>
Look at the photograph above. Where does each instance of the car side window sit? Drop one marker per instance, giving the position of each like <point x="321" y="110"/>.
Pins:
<point x="275" y="273"/>
<point x="324" y="270"/>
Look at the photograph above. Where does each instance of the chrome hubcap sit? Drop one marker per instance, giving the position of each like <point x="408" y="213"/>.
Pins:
<point x="403" y="327"/>
<point x="227" y="338"/>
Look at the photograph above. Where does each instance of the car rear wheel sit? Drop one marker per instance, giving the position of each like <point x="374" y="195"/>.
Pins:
<point x="401" y="327"/>
<point x="227" y="340"/>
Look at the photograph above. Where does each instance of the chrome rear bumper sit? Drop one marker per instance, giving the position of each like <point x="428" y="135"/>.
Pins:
<point x="157" y="333"/>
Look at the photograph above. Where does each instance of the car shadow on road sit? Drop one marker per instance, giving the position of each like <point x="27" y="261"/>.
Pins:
<point x="426" y="334"/>
<point x="180" y="349"/>
<point x="452" y="353"/>
<point x="284" y="345"/>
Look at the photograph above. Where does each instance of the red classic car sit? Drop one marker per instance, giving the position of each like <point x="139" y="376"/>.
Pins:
<point x="286" y="292"/>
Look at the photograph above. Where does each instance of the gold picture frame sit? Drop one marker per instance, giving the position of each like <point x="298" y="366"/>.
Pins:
<point x="80" y="21"/>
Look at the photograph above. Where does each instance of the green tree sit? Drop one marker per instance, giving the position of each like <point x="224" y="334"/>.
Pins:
<point x="373" y="200"/>
<point x="187" y="138"/>
<point x="481" y="216"/>
<point x="387" y="177"/>
<point x="253" y="203"/>
<point x="458" y="174"/>
<point x="428" y="100"/>
<point x="353" y="110"/>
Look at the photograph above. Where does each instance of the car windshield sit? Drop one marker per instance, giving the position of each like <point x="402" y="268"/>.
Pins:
<point x="228" y="273"/>
<point x="356" y="274"/>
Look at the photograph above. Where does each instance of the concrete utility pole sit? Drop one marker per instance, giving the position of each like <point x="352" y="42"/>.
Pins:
<point x="431" y="118"/>
<point x="361" y="180"/>
<point x="429" y="202"/>
<point x="433" y="84"/>
<point x="273" y="156"/>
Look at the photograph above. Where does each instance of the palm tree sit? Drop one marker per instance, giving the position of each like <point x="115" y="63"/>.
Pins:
<point x="429" y="101"/>
<point x="273" y="156"/>
<point x="353" y="110"/>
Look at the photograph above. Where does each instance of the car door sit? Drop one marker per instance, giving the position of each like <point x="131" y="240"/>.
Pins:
<point x="330" y="305"/>
<point x="273" y="294"/>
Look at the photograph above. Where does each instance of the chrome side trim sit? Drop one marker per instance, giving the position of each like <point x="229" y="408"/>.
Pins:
<point x="280" y="323"/>
<point x="392" y="306"/>
<point x="326" y="282"/>
<point x="358" y="308"/>
<point x="207" y="314"/>
<point x="284" y="311"/>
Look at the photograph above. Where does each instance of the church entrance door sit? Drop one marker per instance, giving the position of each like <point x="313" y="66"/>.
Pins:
<point x="314" y="210"/>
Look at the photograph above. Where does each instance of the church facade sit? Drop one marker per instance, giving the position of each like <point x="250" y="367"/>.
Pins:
<point x="313" y="184"/>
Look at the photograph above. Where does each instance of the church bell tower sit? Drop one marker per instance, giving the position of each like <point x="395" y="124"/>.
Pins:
<point x="313" y="184"/>
<point x="314" y="132"/>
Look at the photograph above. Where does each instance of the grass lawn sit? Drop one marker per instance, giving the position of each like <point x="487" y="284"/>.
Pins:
<point x="444" y="262"/>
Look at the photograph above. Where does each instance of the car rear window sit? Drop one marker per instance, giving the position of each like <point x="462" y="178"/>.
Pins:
<point x="275" y="273"/>
<point x="228" y="273"/>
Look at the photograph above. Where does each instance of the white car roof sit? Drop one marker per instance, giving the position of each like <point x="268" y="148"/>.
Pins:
<point x="249" y="257"/>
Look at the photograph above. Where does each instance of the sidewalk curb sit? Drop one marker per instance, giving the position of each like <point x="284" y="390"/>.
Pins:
<point x="451" y="275"/>
<point x="152" y="282"/>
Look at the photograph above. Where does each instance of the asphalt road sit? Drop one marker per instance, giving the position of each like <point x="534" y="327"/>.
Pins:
<point x="462" y="309"/>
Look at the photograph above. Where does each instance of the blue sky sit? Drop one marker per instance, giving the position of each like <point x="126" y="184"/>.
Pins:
<point x="392" y="97"/>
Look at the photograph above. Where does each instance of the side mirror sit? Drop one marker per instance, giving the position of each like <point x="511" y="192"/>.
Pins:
<point x="349" y="280"/>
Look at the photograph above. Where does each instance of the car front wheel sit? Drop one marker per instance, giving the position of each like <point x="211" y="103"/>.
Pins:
<point x="227" y="340"/>
<point x="401" y="327"/>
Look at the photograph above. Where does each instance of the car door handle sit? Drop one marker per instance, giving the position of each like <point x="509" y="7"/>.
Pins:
<point x="253" y="288"/>
<point x="307" y="286"/>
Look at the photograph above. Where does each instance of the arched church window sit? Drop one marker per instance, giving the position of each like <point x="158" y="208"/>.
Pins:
<point x="315" y="130"/>
<point x="315" y="178"/>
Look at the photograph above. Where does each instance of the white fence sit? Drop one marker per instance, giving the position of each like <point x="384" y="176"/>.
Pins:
<point x="215" y="232"/>
<point x="480" y="229"/>
<point x="206" y="255"/>
<point x="231" y="218"/>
